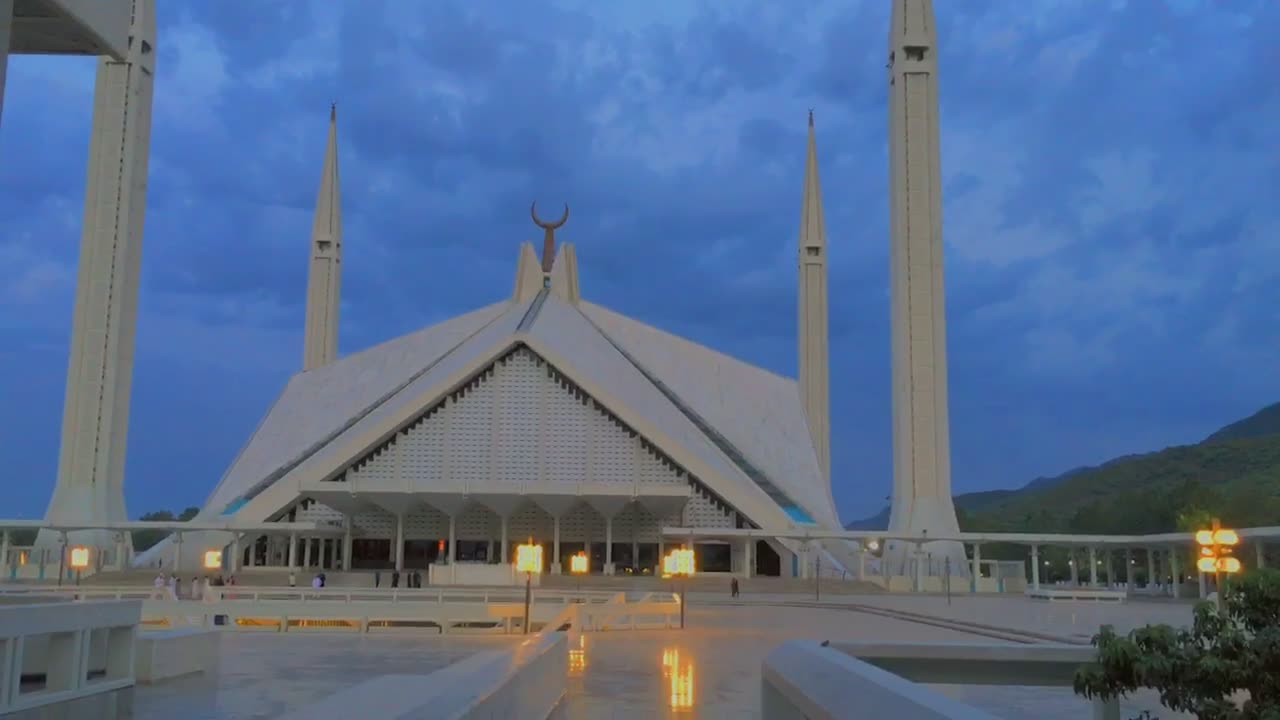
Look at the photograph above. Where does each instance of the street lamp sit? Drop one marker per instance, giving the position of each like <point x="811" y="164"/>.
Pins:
<point x="212" y="559"/>
<point x="1216" y="546"/>
<point x="79" y="560"/>
<point x="579" y="565"/>
<point x="679" y="563"/>
<point x="528" y="561"/>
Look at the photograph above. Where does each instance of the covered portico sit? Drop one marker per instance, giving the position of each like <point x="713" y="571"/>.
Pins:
<point x="480" y="525"/>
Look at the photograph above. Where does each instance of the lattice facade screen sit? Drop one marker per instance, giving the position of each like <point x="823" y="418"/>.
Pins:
<point x="521" y="420"/>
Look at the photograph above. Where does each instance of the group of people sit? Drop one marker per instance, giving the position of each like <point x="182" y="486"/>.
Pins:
<point x="318" y="582"/>
<point x="170" y="586"/>
<point x="411" y="579"/>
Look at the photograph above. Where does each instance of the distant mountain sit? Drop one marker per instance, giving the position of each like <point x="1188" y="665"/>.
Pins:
<point x="1236" y="467"/>
<point x="1264" y="422"/>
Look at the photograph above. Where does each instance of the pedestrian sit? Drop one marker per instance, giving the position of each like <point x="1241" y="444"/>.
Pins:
<point x="377" y="578"/>
<point x="733" y="587"/>
<point x="395" y="578"/>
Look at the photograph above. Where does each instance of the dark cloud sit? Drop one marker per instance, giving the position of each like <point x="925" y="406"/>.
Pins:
<point x="1109" y="216"/>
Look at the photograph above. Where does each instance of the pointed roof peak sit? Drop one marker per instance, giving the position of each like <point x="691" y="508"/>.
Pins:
<point x="333" y="112"/>
<point x="813" y="231"/>
<point x="810" y="117"/>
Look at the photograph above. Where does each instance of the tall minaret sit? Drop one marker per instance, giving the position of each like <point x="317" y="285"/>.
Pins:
<point x="921" y="435"/>
<point x="815" y="389"/>
<point x="325" y="277"/>
<point x="95" y="417"/>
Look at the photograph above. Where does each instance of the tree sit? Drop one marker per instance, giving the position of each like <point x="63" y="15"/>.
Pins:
<point x="1199" y="670"/>
<point x="145" y="539"/>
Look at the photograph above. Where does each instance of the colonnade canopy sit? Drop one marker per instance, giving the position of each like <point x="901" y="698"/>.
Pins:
<point x="971" y="538"/>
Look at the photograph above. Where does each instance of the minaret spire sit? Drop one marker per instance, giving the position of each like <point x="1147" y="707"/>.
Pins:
<point x="922" y="501"/>
<point x="814" y="361"/>
<point x="324" y="279"/>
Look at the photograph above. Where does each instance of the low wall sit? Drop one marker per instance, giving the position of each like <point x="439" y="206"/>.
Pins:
<point x="803" y="680"/>
<point x="175" y="653"/>
<point x="483" y="574"/>
<point x="524" y="682"/>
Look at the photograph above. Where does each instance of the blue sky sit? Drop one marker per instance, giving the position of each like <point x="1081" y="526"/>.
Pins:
<point x="1111" y="224"/>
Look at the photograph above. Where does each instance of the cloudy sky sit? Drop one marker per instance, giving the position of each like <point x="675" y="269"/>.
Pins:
<point x="1112" y="226"/>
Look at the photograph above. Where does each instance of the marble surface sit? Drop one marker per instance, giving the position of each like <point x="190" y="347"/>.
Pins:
<point x="709" y="670"/>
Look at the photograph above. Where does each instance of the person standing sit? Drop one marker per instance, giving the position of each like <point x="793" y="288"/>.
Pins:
<point x="395" y="578"/>
<point x="377" y="578"/>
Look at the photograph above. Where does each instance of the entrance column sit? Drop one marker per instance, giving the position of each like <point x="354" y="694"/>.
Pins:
<point x="293" y="550"/>
<point x="506" y="542"/>
<point x="453" y="543"/>
<point x="177" y="551"/>
<point x="1075" y="567"/>
<point x="306" y="551"/>
<point x="1111" y="568"/>
<point x="1175" y="579"/>
<point x="750" y="569"/>
<point x="1093" y="567"/>
<point x="399" y="542"/>
<point x="234" y="565"/>
<point x="1151" y="570"/>
<point x="977" y="568"/>
<point x="1128" y="570"/>
<point x="608" y="545"/>
<point x="346" y="542"/>
<point x="555" y="545"/>
<point x="1035" y="567"/>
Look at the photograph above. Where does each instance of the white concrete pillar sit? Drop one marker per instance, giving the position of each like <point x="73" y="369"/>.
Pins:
<point x="1151" y="570"/>
<point x="635" y="554"/>
<point x="177" y="551"/>
<point x="1093" y="567"/>
<point x="749" y="557"/>
<point x="1175" y="573"/>
<point x="1111" y="567"/>
<point x="1260" y="549"/>
<point x="1035" y="567"/>
<point x="293" y="550"/>
<point x="4" y="534"/>
<point x="1128" y="570"/>
<point x="555" y="545"/>
<point x="453" y="542"/>
<point x="918" y="572"/>
<point x="1074" y="565"/>
<point x="234" y="564"/>
<point x="346" y="542"/>
<point x="399" y="541"/>
<point x="306" y="551"/>
<point x="506" y="542"/>
<point x="977" y="568"/>
<point x="608" y="545"/>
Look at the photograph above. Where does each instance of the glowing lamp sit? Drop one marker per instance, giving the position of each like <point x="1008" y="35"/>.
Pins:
<point x="79" y="558"/>
<point x="1204" y="537"/>
<point x="578" y="563"/>
<point x="529" y="558"/>
<point x="1207" y="564"/>
<point x="1229" y="565"/>
<point x="1225" y="537"/>
<point x="212" y="559"/>
<point x="678" y="562"/>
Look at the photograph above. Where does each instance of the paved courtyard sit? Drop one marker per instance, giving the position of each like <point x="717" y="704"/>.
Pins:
<point x="711" y="669"/>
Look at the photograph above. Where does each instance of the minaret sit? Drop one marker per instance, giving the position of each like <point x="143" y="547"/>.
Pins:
<point x="921" y="435"/>
<point x="814" y="362"/>
<point x="95" y="418"/>
<point x="324" y="280"/>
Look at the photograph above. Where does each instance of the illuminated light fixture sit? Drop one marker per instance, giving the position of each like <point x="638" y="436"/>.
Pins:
<point x="79" y="558"/>
<point x="578" y="564"/>
<point x="529" y="558"/>
<point x="212" y="559"/>
<point x="679" y="562"/>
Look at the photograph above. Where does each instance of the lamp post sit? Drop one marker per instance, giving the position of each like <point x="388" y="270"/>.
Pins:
<point x="578" y="566"/>
<point x="679" y="563"/>
<point x="79" y="560"/>
<point x="528" y="561"/>
<point x="1216" y="545"/>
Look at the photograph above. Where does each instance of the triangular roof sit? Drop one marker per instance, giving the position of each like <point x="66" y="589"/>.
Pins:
<point x="737" y="428"/>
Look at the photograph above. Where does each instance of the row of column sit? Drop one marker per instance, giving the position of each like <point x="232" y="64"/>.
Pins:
<point x="1172" y="555"/>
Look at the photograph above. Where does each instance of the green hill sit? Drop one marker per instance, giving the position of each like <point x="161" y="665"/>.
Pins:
<point x="1264" y="422"/>
<point x="1234" y="474"/>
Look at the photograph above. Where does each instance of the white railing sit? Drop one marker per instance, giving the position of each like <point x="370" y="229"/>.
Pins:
<point x="309" y="595"/>
<point x="57" y="652"/>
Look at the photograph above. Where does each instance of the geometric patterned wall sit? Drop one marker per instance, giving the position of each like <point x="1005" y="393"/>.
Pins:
<point x="521" y="420"/>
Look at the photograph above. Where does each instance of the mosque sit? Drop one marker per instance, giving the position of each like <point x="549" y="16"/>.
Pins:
<point x="541" y="416"/>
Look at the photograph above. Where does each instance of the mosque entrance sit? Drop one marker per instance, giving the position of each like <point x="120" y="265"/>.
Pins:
<point x="767" y="561"/>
